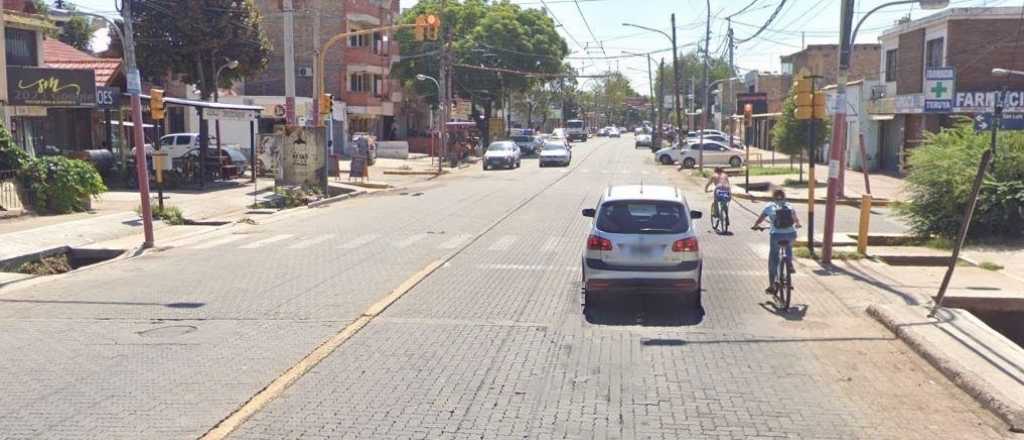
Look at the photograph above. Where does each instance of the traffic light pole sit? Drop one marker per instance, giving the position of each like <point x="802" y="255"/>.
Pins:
<point x="838" y="146"/>
<point x="134" y="82"/>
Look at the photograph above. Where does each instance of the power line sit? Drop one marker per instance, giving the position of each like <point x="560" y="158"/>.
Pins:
<point x="585" y="22"/>
<point x="766" y="24"/>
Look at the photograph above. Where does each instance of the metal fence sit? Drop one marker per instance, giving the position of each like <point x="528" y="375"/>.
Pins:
<point x="9" y="200"/>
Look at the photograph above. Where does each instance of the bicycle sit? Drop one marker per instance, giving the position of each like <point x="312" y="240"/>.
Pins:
<point x="783" y="285"/>
<point x="720" y="211"/>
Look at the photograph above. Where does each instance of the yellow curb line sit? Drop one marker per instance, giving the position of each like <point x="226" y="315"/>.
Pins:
<point x="282" y="382"/>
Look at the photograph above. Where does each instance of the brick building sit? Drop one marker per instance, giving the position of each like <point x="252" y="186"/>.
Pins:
<point x="972" y="41"/>
<point x="356" y="71"/>
<point x="822" y="60"/>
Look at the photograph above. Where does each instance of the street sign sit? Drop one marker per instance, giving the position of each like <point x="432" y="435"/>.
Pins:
<point x="229" y="114"/>
<point x="1013" y="121"/>
<point x="134" y="82"/>
<point x="939" y="89"/>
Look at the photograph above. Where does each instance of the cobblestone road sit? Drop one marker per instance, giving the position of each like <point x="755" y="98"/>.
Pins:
<point x="495" y="344"/>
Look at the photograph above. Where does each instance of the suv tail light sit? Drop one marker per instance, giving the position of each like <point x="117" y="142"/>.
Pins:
<point x="686" y="245"/>
<point x="598" y="243"/>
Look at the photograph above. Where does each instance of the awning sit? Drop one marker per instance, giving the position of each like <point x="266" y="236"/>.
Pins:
<point x="883" y="117"/>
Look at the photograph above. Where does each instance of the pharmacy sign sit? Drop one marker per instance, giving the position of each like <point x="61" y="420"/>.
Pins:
<point x="939" y="89"/>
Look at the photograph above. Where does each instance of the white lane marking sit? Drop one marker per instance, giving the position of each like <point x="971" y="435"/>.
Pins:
<point x="503" y="243"/>
<point x="266" y="241"/>
<point x="549" y="246"/>
<point x="218" y="242"/>
<point x="361" y="241"/>
<point x="411" y="240"/>
<point x="455" y="242"/>
<point x="311" y="241"/>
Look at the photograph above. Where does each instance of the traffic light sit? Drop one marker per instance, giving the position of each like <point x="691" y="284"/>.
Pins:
<point x="433" y="27"/>
<point x="748" y="114"/>
<point x="156" y="104"/>
<point x="819" y="105"/>
<point x="421" y="27"/>
<point x="804" y="98"/>
<point x="326" y="105"/>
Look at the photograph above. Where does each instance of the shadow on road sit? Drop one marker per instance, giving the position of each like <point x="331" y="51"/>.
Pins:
<point x="643" y="310"/>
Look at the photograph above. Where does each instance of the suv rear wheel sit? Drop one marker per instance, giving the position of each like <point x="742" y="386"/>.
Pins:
<point x="665" y="159"/>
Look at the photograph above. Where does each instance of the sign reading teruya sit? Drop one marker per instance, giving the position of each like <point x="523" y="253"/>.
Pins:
<point x="939" y="89"/>
<point x="51" y="87"/>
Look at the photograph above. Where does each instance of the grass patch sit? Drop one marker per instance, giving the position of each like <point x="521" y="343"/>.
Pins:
<point x="803" y="252"/>
<point x="940" y="243"/>
<point x="54" y="265"/>
<point x="772" y="171"/>
<point x="988" y="265"/>
<point x="171" y="215"/>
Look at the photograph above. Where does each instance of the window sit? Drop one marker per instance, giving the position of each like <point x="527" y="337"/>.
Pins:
<point x="21" y="47"/>
<point x="933" y="53"/>
<point x="359" y="82"/>
<point x="378" y="85"/>
<point x="890" y="65"/>
<point x="362" y="40"/>
<point x="380" y="44"/>
<point x="637" y="217"/>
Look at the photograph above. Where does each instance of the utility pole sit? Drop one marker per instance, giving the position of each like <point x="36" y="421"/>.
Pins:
<point x="134" y="82"/>
<point x="445" y="90"/>
<point x="732" y="97"/>
<point x="317" y="117"/>
<point x="704" y="90"/>
<point x="289" y="61"/>
<point x="838" y="146"/>
<point x="675" y="76"/>
<point x="661" y="110"/>
<point x="650" y="80"/>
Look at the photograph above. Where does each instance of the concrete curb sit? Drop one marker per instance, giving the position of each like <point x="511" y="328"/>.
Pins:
<point x="338" y="198"/>
<point x="875" y="203"/>
<point x="409" y="173"/>
<point x="988" y="395"/>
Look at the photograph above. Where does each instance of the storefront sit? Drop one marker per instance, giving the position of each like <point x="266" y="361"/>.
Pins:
<point x="50" y="110"/>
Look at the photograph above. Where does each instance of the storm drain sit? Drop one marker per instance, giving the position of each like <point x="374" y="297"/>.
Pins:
<point x="58" y="260"/>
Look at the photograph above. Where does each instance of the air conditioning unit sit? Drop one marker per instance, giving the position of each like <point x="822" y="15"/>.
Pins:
<point x="306" y="72"/>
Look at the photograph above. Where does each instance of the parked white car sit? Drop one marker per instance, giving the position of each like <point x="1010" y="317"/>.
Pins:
<point x="643" y="240"/>
<point x="643" y="140"/>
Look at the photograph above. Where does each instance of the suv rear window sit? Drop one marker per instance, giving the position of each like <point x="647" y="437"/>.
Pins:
<point x="642" y="217"/>
<point x="522" y="138"/>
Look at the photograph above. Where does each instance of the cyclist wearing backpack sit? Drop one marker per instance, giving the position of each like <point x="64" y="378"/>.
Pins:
<point x="784" y="222"/>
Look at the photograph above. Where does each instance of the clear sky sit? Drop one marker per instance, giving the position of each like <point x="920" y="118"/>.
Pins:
<point x="808" y="21"/>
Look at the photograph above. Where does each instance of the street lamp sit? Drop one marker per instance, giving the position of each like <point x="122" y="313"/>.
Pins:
<point x="675" y="65"/>
<point x="838" y="149"/>
<point x="232" y="65"/>
<point x="440" y="161"/>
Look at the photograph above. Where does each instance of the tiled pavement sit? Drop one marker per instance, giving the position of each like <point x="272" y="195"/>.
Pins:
<point x="493" y="345"/>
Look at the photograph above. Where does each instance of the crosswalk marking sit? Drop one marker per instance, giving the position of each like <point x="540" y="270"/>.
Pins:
<point x="455" y="242"/>
<point x="311" y="241"/>
<point x="361" y="241"/>
<point x="503" y="243"/>
<point x="549" y="246"/>
<point x="411" y="240"/>
<point x="218" y="242"/>
<point x="266" y="241"/>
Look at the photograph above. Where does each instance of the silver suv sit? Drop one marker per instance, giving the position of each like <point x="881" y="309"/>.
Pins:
<point x="643" y="240"/>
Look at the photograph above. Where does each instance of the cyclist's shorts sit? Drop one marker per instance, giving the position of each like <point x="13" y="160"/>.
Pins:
<point x="722" y="195"/>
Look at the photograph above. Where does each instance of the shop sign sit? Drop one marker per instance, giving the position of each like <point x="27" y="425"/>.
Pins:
<point x="899" y="104"/>
<point x="229" y="114"/>
<point x="939" y="88"/>
<point x="980" y="102"/>
<point x="27" y="111"/>
<point x="51" y="87"/>
<point x="108" y="97"/>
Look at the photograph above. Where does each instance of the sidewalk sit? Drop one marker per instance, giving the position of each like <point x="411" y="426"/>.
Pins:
<point x="113" y="216"/>
<point x="883" y="186"/>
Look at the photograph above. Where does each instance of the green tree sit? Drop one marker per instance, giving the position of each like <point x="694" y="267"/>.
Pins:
<point x="484" y="35"/>
<point x="196" y="37"/>
<point x="77" y="32"/>
<point x="609" y="95"/>
<point x="942" y="171"/>
<point x="790" y="135"/>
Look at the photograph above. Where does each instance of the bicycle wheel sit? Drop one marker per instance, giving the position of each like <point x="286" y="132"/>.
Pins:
<point x="786" y="285"/>
<point x="724" y="213"/>
<point x="716" y="218"/>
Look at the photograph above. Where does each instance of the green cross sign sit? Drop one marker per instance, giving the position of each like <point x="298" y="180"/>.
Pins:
<point x="939" y="90"/>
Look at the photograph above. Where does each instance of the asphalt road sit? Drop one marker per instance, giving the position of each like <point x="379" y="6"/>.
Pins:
<point x="494" y="343"/>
